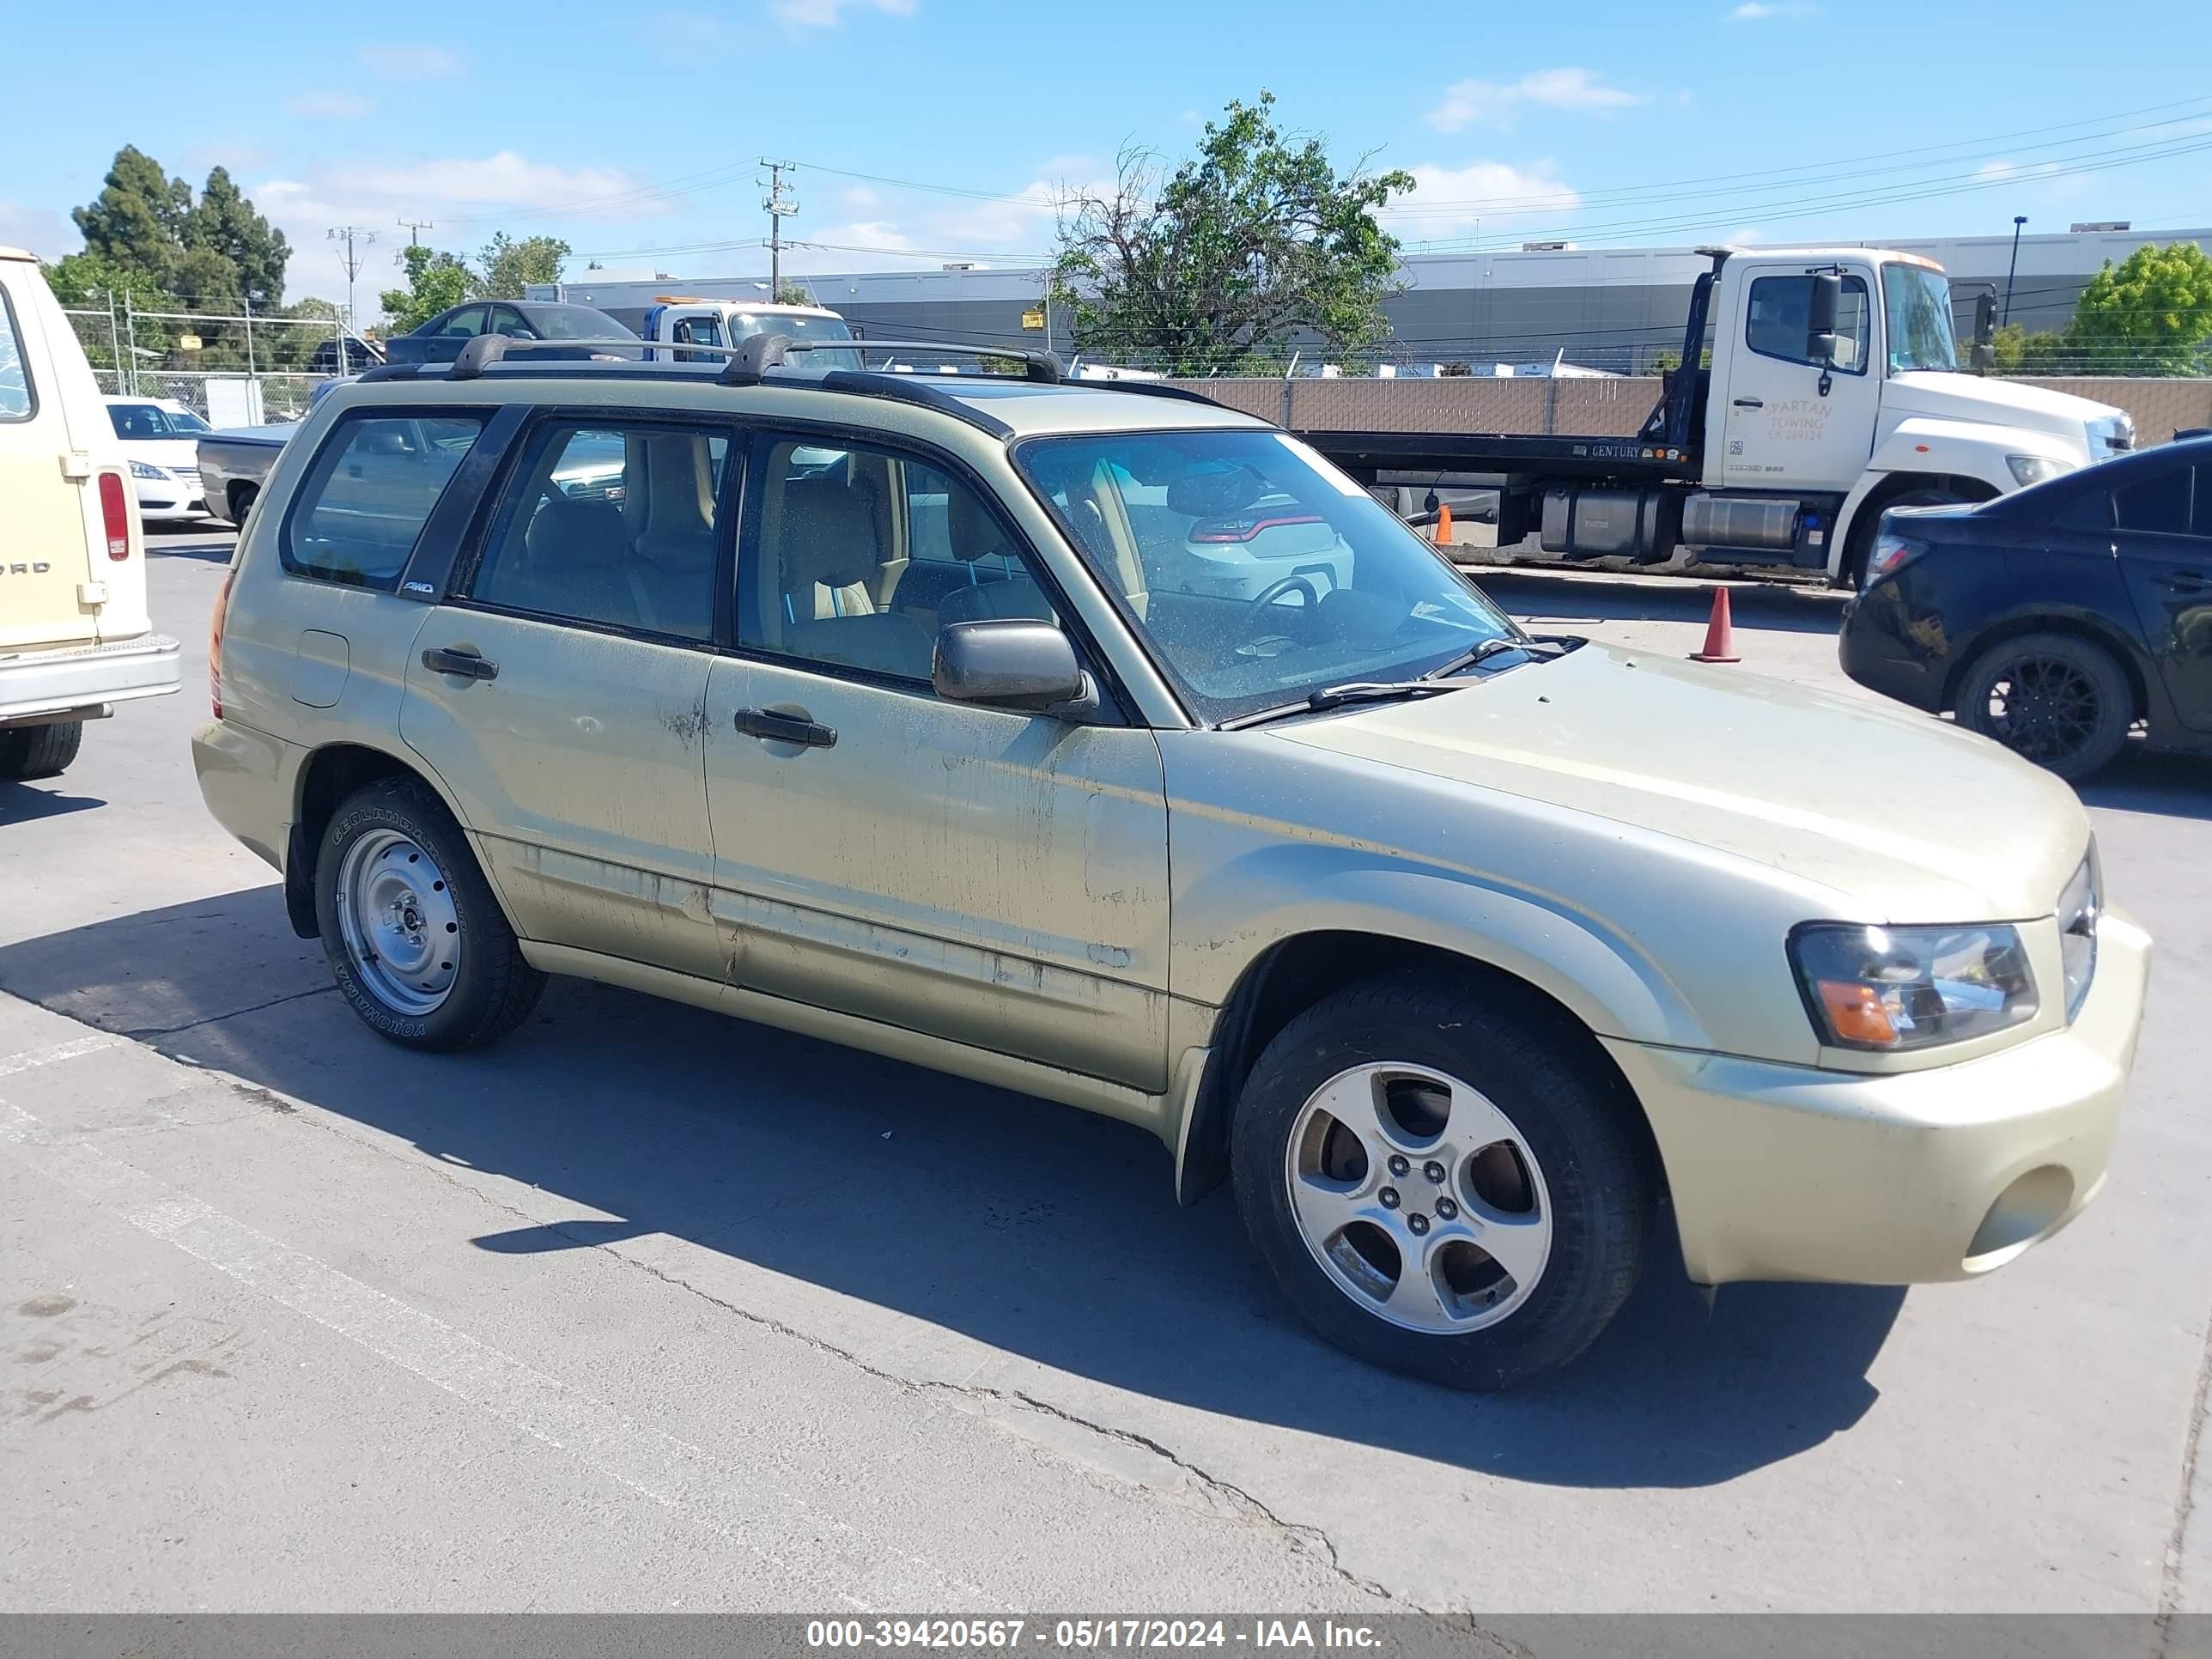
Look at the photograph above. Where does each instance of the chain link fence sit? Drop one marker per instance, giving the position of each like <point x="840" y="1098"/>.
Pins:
<point x="230" y="367"/>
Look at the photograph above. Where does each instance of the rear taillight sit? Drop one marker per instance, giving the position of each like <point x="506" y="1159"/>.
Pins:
<point x="1247" y="527"/>
<point x="115" y="515"/>
<point x="1891" y="553"/>
<point x="214" y="644"/>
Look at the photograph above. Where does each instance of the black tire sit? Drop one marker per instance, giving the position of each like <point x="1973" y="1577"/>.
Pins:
<point x="39" y="752"/>
<point x="1575" y="1116"/>
<point x="493" y="990"/>
<point x="1868" y="525"/>
<point x="239" y="499"/>
<point x="2071" y="712"/>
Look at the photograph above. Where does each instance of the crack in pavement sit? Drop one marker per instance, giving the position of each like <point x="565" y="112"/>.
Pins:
<point x="146" y="1033"/>
<point x="2184" y="1499"/>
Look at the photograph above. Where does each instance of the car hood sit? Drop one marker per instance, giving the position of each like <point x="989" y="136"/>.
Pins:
<point x="178" y="454"/>
<point x="1996" y="403"/>
<point x="1900" y="817"/>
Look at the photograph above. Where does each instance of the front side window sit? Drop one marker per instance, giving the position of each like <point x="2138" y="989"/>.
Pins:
<point x="1916" y="303"/>
<point x="862" y="554"/>
<point x="2158" y="505"/>
<point x="615" y="526"/>
<point x="508" y="321"/>
<point x="357" y="517"/>
<point x="16" y="402"/>
<point x="1781" y="315"/>
<point x="1255" y="572"/>
<point x="137" y="421"/>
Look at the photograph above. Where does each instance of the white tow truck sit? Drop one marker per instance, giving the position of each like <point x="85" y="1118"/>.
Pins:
<point x="1833" y="391"/>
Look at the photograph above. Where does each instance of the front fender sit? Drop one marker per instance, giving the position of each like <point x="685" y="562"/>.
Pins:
<point x="1936" y="448"/>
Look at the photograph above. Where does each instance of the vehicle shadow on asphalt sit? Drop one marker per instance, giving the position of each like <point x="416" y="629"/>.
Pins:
<point x="207" y="552"/>
<point x="20" y="803"/>
<point x="1046" y="1232"/>
<point x="1546" y="601"/>
<point x="2170" y="785"/>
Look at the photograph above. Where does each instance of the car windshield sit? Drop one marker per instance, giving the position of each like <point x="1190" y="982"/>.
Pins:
<point x="573" y="323"/>
<point x="744" y="325"/>
<point x="1255" y="572"/>
<point x="1916" y="305"/>
<point x="185" y="424"/>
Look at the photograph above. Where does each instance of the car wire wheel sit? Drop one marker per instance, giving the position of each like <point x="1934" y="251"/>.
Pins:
<point x="1420" y="1198"/>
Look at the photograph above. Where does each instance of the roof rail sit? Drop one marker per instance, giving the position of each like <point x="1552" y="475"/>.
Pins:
<point x="1158" y="389"/>
<point x="762" y="352"/>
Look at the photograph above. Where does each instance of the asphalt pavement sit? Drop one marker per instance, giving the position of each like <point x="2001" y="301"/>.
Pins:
<point x="648" y="1309"/>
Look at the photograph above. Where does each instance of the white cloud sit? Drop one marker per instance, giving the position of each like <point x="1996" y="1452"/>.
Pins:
<point x="1757" y="11"/>
<point x="411" y="62"/>
<point x="1472" y="103"/>
<point x="830" y="14"/>
<point x="330" y="106"/>
<point x="1449" y="202"/>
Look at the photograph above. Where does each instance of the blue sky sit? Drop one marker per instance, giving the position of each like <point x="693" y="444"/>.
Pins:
<point x="633" y="131"/>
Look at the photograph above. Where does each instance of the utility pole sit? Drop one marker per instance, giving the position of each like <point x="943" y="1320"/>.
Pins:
<point x="779" y="207"/>
<point x="414" y="227"/>
<point x="354" y="260"/>
<point x="2018" y="220"/>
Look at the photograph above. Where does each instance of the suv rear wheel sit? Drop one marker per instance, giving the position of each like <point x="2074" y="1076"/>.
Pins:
<point x="416" y="940"/>
<point x="1442" y="1186"/>
<point x="39" y="752"/>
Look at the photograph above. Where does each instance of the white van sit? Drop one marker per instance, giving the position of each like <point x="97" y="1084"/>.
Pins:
<point x="74" y="638"/>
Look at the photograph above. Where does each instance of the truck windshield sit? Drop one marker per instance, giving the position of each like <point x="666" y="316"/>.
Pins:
<point x="1916" y="305"/>
<point x="1255" y="572"/>
<point x="744" y="325"/>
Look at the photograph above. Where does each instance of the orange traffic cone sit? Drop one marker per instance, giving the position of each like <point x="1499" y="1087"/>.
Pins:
<point x="1720" y="633"/>
<point x="1443" y="524"/>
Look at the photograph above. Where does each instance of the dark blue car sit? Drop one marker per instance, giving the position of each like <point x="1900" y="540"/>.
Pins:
<point x="441" y="339"/>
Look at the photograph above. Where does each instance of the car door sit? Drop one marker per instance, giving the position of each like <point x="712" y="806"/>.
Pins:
<point x="561" y="692"/>
<point x="996" y="878"/>
<point x="1788" y="423"/>
<point x="2162" y="531"/>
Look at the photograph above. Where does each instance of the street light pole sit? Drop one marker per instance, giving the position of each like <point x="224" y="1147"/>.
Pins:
<point x="2018" y="220"/>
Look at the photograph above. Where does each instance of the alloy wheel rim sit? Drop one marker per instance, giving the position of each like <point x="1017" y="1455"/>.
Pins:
<point x="2043" y="708"/>
<point x="397" y="921"/>
<point x="1420" y="1200"/>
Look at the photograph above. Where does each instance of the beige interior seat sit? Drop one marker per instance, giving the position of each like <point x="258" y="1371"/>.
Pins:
<point x="668" y="511"/>
<point x="829" y="555"/>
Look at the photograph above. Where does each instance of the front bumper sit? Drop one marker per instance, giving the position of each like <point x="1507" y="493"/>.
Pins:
<point x="1898" y="1178"/>
<point x="86" y="677"/>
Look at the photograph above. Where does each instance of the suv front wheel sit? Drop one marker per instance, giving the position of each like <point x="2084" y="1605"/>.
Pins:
<point x="415" y="939"/>
<point x="1442" y="1185"/>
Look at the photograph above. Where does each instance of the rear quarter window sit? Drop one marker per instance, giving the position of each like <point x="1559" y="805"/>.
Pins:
<point x="16" y="401"/>
<point x="362" y="507"/>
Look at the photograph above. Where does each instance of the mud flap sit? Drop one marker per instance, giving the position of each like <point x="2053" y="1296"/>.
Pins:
<point x="300" y="885"/>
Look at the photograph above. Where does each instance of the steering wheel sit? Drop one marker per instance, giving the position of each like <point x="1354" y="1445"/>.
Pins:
<point x="1275" y="590"/>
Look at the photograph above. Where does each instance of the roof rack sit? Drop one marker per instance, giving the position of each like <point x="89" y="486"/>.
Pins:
<point x="756" y="355"/>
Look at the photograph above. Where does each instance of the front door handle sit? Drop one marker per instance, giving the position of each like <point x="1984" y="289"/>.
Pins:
<point x="467" y="664"/>
<point x="771" y="728"/>
<point x="1751" y="403"/>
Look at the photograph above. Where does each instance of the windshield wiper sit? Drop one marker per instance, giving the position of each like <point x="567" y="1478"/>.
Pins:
<point x="1469" y="658"/>
<point x="1335" y="696"/>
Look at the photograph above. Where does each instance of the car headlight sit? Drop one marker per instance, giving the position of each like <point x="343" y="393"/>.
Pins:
<point x="2112" y="434"/>
<point x="2078" y="909"/>
<point x="1893" y="989"/>
<point x="2034" y="469"/>
<point x="140" y="470"/>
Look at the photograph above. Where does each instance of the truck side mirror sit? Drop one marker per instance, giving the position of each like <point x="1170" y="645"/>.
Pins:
<point x="1826" y="298"/>
<point x="1985" y="319"/>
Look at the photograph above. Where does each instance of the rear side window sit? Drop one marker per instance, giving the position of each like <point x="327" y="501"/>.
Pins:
<point x="17" y="402"/>
<point x="371" y="489"/>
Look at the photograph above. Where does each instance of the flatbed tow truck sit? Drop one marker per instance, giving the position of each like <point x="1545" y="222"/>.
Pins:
<point x="1820" y="387"/>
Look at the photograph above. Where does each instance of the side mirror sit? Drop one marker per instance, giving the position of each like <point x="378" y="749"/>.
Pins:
<point x="1027" y="665"/>
<point x="1984" y="357"/>
<point x="1985" y="319"/>
<point x="1820" y="343"/>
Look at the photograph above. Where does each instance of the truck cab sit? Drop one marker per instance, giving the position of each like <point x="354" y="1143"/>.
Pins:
<point x="679" y="322"/>
<point x="1837" y="383"/>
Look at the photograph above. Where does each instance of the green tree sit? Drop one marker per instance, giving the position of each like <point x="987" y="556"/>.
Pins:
<point x="224" y="223"/>
<point x="1250" y="243"/>
<point x="2152" y="314"/>
<point x="137" y="219"/>
<point x="87" y="282"/>
<point x="509" y="266"/>
<point x="2019" y="352"/>
<point x="435" y="281"/>
<point x="793" y="294"/>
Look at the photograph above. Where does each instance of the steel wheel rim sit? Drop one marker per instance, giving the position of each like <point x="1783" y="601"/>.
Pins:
<point x="1442" y="1180"/>
<point x="397" y="921"/>
<point x="2043" y="708"/>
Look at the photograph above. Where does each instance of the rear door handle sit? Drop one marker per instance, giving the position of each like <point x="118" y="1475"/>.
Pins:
<point x="771" y="728"/>
<point x="2186" y="581"/>
<point x="467" y="663"/>
<point x="1751" y="403"/>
